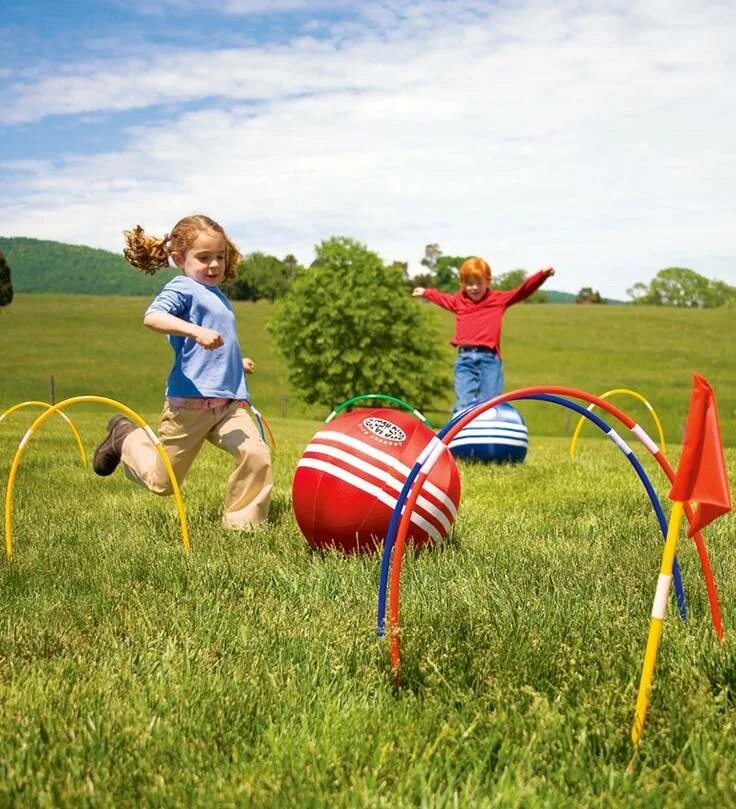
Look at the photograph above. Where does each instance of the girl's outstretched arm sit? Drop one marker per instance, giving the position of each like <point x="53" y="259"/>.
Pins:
<point x="166" y="323"/>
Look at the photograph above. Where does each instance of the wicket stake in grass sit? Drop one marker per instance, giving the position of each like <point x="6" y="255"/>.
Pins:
<point x="384" y="397"/>
<point x="455" y="425"/>
<point x="134" y="417"/>
<point x="701" y="476"/>
<point x="46" y="405"/>
<point x="392" y="556"/>
<point x="425" y="462"/>
<point x="629" y="392"/>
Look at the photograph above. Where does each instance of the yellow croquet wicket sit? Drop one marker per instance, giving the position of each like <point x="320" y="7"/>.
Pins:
<point x="133" y="416"/>
<point x="655" y="626"/>
<point x="606" y="395"/>
<point x="46" y="405"/>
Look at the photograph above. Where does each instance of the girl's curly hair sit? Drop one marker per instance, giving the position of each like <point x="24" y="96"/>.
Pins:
<point x="150" y="253"/>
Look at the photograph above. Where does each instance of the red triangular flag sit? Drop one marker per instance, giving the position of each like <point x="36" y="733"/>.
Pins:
<point x="701" y="473"/>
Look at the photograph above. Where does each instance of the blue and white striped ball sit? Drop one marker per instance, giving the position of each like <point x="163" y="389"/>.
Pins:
<point x="499" y="435"/>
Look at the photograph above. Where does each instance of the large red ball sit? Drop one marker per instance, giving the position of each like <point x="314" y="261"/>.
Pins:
<point x="348" y="480"/>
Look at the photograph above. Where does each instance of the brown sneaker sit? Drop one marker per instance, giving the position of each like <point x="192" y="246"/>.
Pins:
<point x="107" y="454"/>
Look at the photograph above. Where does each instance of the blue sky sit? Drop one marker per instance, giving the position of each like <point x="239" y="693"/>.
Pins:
<point x="594" y="136"/>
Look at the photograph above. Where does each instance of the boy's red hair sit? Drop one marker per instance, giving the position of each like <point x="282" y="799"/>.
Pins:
<point x="474" y="268"/>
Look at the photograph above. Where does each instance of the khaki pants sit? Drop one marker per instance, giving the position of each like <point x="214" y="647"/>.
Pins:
<point x="182" y="433"/>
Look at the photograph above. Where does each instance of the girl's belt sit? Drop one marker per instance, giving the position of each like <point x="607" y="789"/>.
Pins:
<point x="198" y="402"/>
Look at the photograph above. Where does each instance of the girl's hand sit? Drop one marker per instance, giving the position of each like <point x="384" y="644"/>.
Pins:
<point x="248" y="365"/>
<point x="208" y="338"/>
<point x="548" y="271"/>
<point x="417" y="292"/>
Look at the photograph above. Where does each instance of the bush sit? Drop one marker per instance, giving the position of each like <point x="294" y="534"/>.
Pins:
<point x="347" y="327"/>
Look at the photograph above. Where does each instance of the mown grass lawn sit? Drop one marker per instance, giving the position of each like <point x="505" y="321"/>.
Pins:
<point x="249" y="672"/>
<point x="98" y="345"/>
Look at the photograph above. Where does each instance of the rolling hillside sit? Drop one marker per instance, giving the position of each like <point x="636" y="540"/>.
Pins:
<point x="47" y="266"/>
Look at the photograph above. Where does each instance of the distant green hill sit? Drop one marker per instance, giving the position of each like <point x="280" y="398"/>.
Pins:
<point x="553" y="296"/>
<point x="46" y="266"/>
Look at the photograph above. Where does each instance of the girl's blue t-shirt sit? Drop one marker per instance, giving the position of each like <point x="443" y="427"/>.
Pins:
<point x="197" y="371"/>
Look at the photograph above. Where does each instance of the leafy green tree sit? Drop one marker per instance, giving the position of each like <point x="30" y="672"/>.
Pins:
<point x="589" y="295"/>
<point x="682" y="287"/>
<point x="638" y="292"/>
<point x="347" y="327"/>
<point x="403" y="268"/>
<point x="442" y="270"/>
<point x="422" y="279"/>
<point x="721" y="293"/>
<point x="6" y="287"/>
<point x="446" y="273"/>
<point x="509" y="280"/>
<point x="431" y="253"/>
<point x="260" y="275"/>
<point x="514" y="278"/>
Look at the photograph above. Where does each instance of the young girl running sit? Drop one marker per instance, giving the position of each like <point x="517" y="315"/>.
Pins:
<point x="207" y="381"/>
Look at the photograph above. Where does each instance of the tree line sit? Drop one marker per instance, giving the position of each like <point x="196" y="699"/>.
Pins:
<point x="682" y="287"/>
<point x="264" y="277"/>
<point x="44" y="266"/>
<point x="261" y="276"/>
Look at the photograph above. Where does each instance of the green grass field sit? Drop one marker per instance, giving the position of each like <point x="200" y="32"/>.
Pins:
<point x="249" y="674"/>
<point x="98" y="345"/>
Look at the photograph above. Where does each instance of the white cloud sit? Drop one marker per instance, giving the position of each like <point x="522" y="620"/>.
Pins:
<point x="596" y="140"/>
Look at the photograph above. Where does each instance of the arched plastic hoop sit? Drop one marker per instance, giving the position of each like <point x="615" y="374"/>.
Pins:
<point x="607" y="430"/>
<point x="260" y="421"/>
<point x="133" y="416"/>
<point x="398" y="527"/>
<point x="400" y="402"/>
<point x="627" y="391"/>
<point x="46" y="405"/>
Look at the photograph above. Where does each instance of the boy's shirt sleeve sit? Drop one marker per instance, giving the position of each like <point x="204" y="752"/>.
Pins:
<point x="444" y="299"/>
<point x="529" y="286"/>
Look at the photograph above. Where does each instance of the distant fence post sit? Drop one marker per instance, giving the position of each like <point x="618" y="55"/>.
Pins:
<point x="284" y="403"/>
<point x="52" y="390"/>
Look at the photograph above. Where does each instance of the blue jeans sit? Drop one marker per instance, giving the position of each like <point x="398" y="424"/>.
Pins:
<point x="478" y="376"/>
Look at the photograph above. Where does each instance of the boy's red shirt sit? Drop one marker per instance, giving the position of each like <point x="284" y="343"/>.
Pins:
<point x="478" y="323"/>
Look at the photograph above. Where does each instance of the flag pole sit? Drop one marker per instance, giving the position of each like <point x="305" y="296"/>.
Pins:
<point x="655" y="625"/>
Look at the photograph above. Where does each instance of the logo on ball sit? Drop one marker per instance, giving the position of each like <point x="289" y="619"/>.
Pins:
<point x="384" y="429"/>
